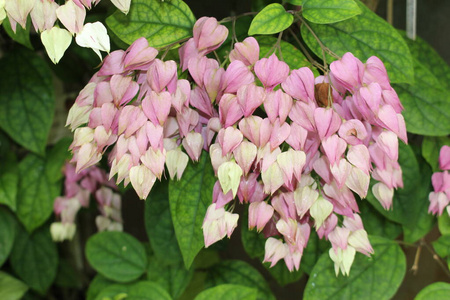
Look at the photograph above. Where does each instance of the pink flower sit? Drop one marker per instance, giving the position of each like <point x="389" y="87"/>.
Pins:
<point x="208" y="35"/>
<point x="139" y="55"/>
<point x="246" y="51"/>
<point x="259" y="213"/>
<point x="347" y="73"/>
<point x="271" y="71"/>
<point x="300" y="84"/>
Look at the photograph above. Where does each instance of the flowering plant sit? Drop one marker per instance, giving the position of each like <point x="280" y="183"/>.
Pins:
<point x="312" y="155"/>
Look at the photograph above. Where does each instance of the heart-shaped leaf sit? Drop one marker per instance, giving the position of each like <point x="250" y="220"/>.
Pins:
<point x="116" y="255"/>
<point x="364" y="35"/>
<point x="189" y="199"/>
<point x="272" y="19"/>
<point x="161" y="22"/>
<point x="367" y="279"/>
<point x="329" y="11"/>
<point x="26" y="101"/>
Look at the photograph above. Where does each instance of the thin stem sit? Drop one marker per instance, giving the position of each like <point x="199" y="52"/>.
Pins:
<point x="415" y="266"/>
<point x="168" y="47"/>
<point x="278" y="45"/>
<point x="436" y="257"/>
<point x="390" y="11"/>
<point x="230" y="19"/>
<point x="305" y="52"/>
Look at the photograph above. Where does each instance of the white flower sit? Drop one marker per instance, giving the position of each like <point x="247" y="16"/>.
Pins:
<point x="94" y="36"/>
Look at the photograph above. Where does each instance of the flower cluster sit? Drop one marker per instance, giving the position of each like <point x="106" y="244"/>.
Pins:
<point x="296" y="147"/>
<point x="78" y="190"/>
<point x="440" y="198"/>
<point x="71" y="14"/>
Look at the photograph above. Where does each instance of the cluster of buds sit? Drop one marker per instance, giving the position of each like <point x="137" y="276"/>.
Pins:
<point x="71" y="14"/>
<point x="78" y="189"/>
<point x="440" y="198"/>
<point x="295" y="147"/>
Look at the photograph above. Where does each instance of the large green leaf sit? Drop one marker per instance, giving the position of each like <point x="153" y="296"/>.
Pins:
<point x="22" y="36"/>
<point x="329" y="11"/>
<point x="429" y="58"/>
<point x="142" y="290"/>
<point x="11" y="288"/>
<point x="376" y="224"/>
<point x="189" y="199"/>
<point x="161" y="22"/>
<point x="116" y="255"/>
<point x="442" y="246"/>
<point x="364" y="35"/>
<point x="159" y="225"/>
<point x="254" y="244"/>
<point x="289" y="53"/>
<point x="174" y="277"/>
<point x="26" y="101"/>
<point x="431" y="146"/>
<point x="7" y="233"/>
<point x="97" y="285"/>
<point x="410" y="204"/>
<point x="444" y="224"/>
<point x="238" y="272"/>
<point x="435" y="291"/>
<point x="37" y="192"/>
<point x="228" y="292"/>
<point x="272" y="19"/>
<point x="9" y="179"/>
<point x="426" y="102"/>
<point x="34" y="258"/>
<point x="377" y="277"/>
<point x="312" y="252"/>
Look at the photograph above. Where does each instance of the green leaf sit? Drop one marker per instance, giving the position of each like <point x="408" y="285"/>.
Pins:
<point x="435" y="291"/>
<point x="312" y="252"/>
<point x="228" y="292"/>
<point x="410" y="204"/>
<point x="377" y="277"/>
<point x="9" y="179"/>
<point x="34" y="258"/>
<point x="11" y="288"/>
<point x="159" y="225"/>
<point x="238" y="272"/>
<point x="56" y="158"/>
<point x="295" y="2"/>
<point x="116" y="255"/>
<point x="161" y="22"/>
<point x="7" y="233"/>
<point x="97" y="285"/>
<point x="67" y="276"/>
<point x="376" y="224"/>
<point x="26" y="101"/>
<point x="289" y="53"/>
<point x="37" y="192"/>
<point x="189" y="199"/>
<point x="444" y="224"/>
<point x="252" y="241"/>
<point x="174" y="278"/>
<point x="442" y="246"/>
<point x="195" y="287"/>
<point x="429" y="58"/>
<point x="364" y="35"/>
<point x="272" y="19"/>
<point x="431" y="146"/>
<point x="142" y="290"/>
<point x="22" y="36"/>
<point x="426" y="102"/>
<point x="329" y="11"/>
<point x="281" y="273"/>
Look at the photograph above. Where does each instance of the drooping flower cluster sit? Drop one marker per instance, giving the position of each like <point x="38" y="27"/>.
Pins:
<point x="78" y="189"/>
<point x="440" y="197"/>
<point x="44" y="14"/>
<point x="295" y="147"/>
